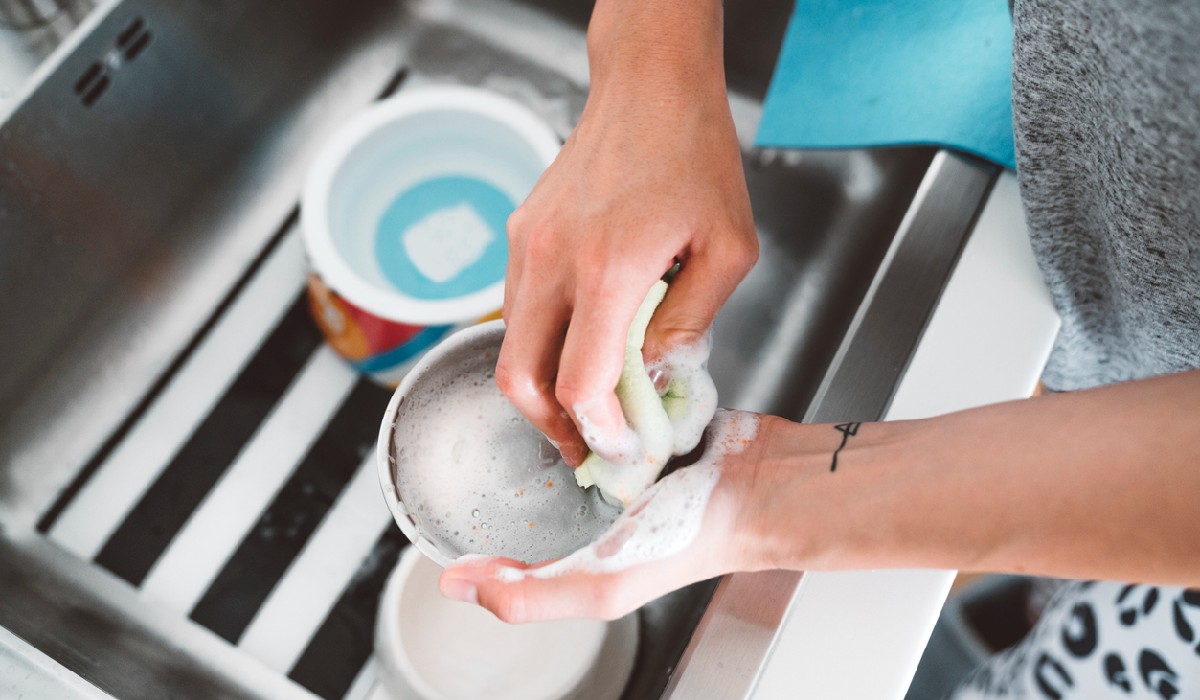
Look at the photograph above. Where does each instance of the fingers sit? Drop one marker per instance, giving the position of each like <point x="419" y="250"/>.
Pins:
<point x="693" y="534"/>
<point x="514" y="593"/>
<point x="525" y="370"/>
<point x="705" y="280"/>
<point x="516" y="230"/>
<point x="592" y="356"/>
<point x="523" y="598"/>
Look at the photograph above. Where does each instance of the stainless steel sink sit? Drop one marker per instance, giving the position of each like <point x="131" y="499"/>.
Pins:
<point x="156" y="337"/>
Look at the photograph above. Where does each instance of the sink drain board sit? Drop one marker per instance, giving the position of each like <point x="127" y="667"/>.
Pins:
<point x="244" y="497"/>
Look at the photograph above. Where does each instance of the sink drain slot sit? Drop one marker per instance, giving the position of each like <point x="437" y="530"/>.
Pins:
<point x="98" y="77"/>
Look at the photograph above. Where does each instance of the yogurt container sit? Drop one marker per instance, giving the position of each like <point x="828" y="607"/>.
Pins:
<point x="403" y="219"/>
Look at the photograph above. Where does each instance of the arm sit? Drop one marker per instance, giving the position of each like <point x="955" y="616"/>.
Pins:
<point x="1095" y="484"/>
<point x="651" y="175"/>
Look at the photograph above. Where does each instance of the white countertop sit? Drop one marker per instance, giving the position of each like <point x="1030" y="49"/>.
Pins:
<point x="26" y="672"/>
<point x="860" y="634"/>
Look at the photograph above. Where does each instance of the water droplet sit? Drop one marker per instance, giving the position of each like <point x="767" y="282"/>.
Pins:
<point x="475" y="513"/>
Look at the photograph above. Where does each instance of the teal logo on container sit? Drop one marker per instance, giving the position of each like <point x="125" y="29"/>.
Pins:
<point x="444" y="238"/>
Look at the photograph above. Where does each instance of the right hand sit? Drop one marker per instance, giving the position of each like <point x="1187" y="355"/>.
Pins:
<point x="651" y="176"/>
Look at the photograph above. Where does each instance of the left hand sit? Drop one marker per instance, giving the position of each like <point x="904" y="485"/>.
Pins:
<point x="665" y="540"/>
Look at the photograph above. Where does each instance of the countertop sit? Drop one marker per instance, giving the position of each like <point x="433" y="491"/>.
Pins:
<point x="26" y="672"/>
<point x="861" y="634"/>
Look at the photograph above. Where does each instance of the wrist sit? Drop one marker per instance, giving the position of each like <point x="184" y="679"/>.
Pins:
<point x="656" y="46"/>
<point x="804" y="511"/>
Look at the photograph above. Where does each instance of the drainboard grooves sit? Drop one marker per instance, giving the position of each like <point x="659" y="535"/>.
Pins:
<point x="264" y="555"/>
<point x="244" y="497"/>
<point x="167" y="504"/>
<point x="182" y="397"/>
<point x="344" y="643"/>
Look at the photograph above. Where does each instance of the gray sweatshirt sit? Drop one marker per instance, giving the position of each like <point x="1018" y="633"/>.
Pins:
<point x="1106" y="110"/>
<point x="1106" y="107"/>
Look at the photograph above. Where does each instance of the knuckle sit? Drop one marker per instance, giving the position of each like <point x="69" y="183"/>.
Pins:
<point x="531" y="396"/>
<point x="516" y="384"/>
<point x="506" y="379"/>
<point x="515" y="226"/>
<point x="570" y="393"/>
<point x="744" y="249"/>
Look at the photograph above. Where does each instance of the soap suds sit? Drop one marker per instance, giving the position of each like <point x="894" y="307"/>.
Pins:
<point x="665" y="519"/>
<point x="477" y="478"/>
<point x="631" y="461"/>
<point x="690" y="396"/>
<point x="445" y="242"/>
<point x="625" y="447"/>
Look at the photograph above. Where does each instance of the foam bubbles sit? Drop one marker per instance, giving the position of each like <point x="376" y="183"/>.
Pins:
<point x="622" y="447"/>
<point x="478" y="479"/>
<point x="690" y="396"/>
<point x="631" y="462"/>
<point x="665" y="519"/>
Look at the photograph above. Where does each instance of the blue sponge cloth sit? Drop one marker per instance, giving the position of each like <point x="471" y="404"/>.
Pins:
<point x="856" y="73"/>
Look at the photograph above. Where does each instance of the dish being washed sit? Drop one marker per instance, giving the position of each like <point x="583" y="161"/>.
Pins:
<point x="465" y="474"/>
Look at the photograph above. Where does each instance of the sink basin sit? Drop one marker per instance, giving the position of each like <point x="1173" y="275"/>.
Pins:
<point x="186" y="503"/>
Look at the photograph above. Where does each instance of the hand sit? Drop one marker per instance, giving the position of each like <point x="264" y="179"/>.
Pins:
<point x="651" y="176"/>
<point x="686" y="528"/>
<point x="1089" y="484"/>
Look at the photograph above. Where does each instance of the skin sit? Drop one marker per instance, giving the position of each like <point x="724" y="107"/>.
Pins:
<point x="1096" y="484"/>
<point x="630" y="194"/>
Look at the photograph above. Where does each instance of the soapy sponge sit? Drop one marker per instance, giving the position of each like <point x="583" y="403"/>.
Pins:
<point x="667" y="425"/>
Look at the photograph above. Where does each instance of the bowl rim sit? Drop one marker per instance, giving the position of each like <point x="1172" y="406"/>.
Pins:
<point x="613" y="651"/>
<point x="387" y="428"/>
<point x="323" y="255"/>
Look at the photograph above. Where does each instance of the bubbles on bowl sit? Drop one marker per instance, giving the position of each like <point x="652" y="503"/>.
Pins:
<point x="458" y="441"/>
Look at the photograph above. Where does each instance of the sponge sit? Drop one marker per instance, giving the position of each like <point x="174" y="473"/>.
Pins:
<point x="666" y="425"/>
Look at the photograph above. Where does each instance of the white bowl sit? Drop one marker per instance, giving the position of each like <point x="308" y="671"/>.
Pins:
<point x="432" y="648"/>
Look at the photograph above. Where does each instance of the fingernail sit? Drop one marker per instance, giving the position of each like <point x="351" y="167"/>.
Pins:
<point x="659" y="379"/>
<point x="460" y="589"/>
<point x="575" y="454"/>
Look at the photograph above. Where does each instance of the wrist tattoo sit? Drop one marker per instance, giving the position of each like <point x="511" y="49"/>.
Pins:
<point x="847" y="430"/>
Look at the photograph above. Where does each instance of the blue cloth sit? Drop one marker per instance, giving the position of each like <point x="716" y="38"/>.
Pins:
<point x="858" y="73"/>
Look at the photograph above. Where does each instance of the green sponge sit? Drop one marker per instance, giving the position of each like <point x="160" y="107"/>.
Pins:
<point x="646" y="412"/>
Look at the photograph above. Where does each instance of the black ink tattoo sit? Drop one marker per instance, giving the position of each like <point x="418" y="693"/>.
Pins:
<point x="847" y="430"/>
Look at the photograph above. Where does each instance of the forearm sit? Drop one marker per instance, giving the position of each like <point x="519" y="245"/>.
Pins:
<point x="665" y="48"/>
<point x="1095" y="484"/>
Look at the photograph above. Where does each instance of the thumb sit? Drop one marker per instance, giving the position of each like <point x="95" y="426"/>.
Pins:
<point x="510" y="591"/>
<point x="701" y="286"/>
